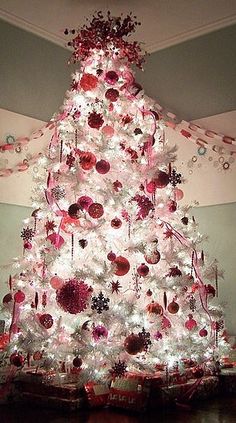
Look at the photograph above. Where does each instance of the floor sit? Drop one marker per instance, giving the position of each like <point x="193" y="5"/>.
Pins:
<point x="212" y="411"/>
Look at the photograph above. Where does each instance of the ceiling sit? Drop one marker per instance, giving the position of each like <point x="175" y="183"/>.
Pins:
<point x="164" y="22"/>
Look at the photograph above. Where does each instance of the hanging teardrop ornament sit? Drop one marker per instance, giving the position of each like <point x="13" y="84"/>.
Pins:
<point x="165" y="300"/>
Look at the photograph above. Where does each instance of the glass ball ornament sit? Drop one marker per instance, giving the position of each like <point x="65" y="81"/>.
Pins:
<point x="84" y="202"/>
<point x="56" y="282"/>
<point x="17" y="359"/>
<point x="122" y="266"/>
<point x="46" y="320"/>
<point x="77" y="362"/>
<point x="74" y="211"/>
<point x="102" y="167"/>
<point x="178" y="193"/>
<point x="27" y="245"/>
<point x="111" y="256"/>
<point x="203" y="332"/>
<point x="96" y="210"/>
<point x="173" y="307"/>
<point x="116" y="223"/>
<point x="19" y="297"/>
<point x="133" y="344"/>
<point x="143" y="270"/>
<point x="153" y="258"/>
<point x="7" y="298"/>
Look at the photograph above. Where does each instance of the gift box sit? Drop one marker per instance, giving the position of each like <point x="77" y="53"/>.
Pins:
<point x="130" y="393"/>
<point x="97" y="394"/>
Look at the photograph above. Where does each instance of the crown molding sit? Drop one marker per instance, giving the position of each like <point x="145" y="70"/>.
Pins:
<point x="150" y="48"/>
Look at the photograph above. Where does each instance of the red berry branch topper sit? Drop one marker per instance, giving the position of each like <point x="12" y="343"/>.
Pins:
<point x="107" y="34"/>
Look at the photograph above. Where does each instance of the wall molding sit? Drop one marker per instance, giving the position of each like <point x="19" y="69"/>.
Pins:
<point x="150" y="48"/>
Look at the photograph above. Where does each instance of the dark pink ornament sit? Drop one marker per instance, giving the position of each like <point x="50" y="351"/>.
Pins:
<point x="84" y="202"/>
<point x="99" y="332"/>
<point x="27" y="245"/>
<point x="112" y="94"/>
<point x="46" y="320"/>
<point x="153" y="258"/>
<point x="172" y="206"/>
<point x="96" y="210"/>
<point x="116" y="223"/>
<point x="122" y="266"/>
<point x="73" y="297"/>
<point x="102" y="167"/>
<point x="203" y="332"/>
<point x="74" y="211"/>
<point x="111" y="77"/>
<point x="143" y="270"/>
<point x="117" y="186"/>
<point x="19" y="296"/>
<point x="7" y="298"/>
<point x="56" y="240"/>
<point x="111" y="256"/>
<point x="190" y="324"/>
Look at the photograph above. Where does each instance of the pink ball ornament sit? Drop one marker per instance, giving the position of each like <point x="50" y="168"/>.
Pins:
<point x="108" y="131"/>
<point x="99" y="332"/>
<point x="19" y="297"/>
<point x="178" y="193"/>
<point x="84" y="202"/>
<point x="111" y="77"/>
<point x="96" y="210"/>
<point x="191" y="323"/>
<point x="151" y="187"/>
<point x="203" y="332"/>
<point x="56" y="240"/>
<point x="102" y="167"/>
<point x="122" y="266"/>
<point x="116" y="223"/>
<point x="111" y="256"/>
<point x="17" y="359"/>
<point x="56" y="282"/>
<point x="143" y="270"/>
<point x="27" y="245"/>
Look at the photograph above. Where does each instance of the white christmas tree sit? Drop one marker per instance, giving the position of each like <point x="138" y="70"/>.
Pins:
<point x="112" y="278"/>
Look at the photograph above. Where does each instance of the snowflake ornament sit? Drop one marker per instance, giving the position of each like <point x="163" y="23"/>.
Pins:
<point x="115" y="287"/>
<point x="175" y="178"/>
<point x="58" y="192"/>
<point x="27" y="234"/>
<point x="145" y="336"/>
<point x="100" y="303"/>
<point x="119" y="369"/>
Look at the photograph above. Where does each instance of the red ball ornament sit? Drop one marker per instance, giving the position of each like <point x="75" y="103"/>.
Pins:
<point x="87" y="160"/>
<point x="74" y="211"/>
<point x="153" y="258"/>
<point x="143" y="270"/>
<point x="95" y="120"/>
<point x="73" y="297"/>
<point x="27" y="245"/>
<point x="84" y="202"/>
<point x="111" y="77"/>
<point x="122" y="266"/>
<point x="111" y="256"/>
<point x="56" y="282"/>
<point x="19" y="296"/>
<point x="151" y="187"/>
<point x="96" y="210"/>
<point x="172" y="206"/>
<point x="173" y="307"/>
<point x="77" y="362"/>
<point x="17" y="359"/>
<point x="46" y="320"/>
<point x="133" y="344"/>
<point x="112" y="94"/>
<point x="88" y="82"/>
<point x="203" y="332"/>
<point x="155" y="308"/>
<point x="162" y="179"/>
<point x="191" y="323"/>
<point x="7" y="298"/>
<point x="149" y="293"/>
<point x="116" y="223"/>
<point x="102" y="167"/>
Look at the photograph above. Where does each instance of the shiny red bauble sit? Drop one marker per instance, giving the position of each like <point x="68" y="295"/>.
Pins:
<point x="203" y="332"/>
<point x="84" y="202"/>
<point x="74" y="211"/>
<point x="7" y="298"/>
<point x="77" y="362"/>
<point x="122" y="266"/>
<point x="153" y="258"/>
<point x="112" y="94"/>
<point x="27" y="245"/>
<point x="96" y="210"/>
<point x="111" y="256"/>
<point x="46" y="320"/>
<point x="155" y="308"/>
<point x="116" y="223"/>
<point x="133" y="344"/>
<point x="102" y="167"/>
<point x="88" y="82"/>
<point x="191" y="323"/>
<point x="19" y="296"/>
<point x="143" y="270"/>
<point x="173" y="307"/>
<point x="149" y="293"/>
<point x="17" y="359"/>
<point x="87" y="160"/>
<point x="111" y="77"/>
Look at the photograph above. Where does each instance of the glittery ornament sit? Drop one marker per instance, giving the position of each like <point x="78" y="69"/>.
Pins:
<point x="99" y="332"/>
<point x="116" y="223"/>
<point x="102" y="167"/>
<point x="119" y="369"/>
<point x="111" y="77"/>
<point x="19" y="297"/>
<point x="153" y="258"/>
<point x="70" y="159"/>
<point x="88" y="82"/>
<point x="37" y="355"/>
<point x="173" y="307"/>
<point x="122" y="266"/>
<point x="112" y="94"/>
<point x="133" y="344"/>
<point x="155" y="308"/>
<point x="143" y="270"/>
<point x="87" y="160"/>
<point x="160" y="181"/>
<point x="56" y="282"/>
<point x="111" y="256"/>
<point x="77" y="362"/>
<point x="7" y="298"/>
<point x="158" y="336"/>
<point x="50" y="226"/>
<point x="74" y="211"/>
<point x="46" y="320"/>
<point x="58" y="192"/>
<point x="203" y="332"/>
<point x="73" y="297"/>
<point x="165" y="323"/>
<point x="84" y="202"/>
<point x="144" y="204"/>
<point x="96" y="210"/>
<point x="100" y="303"/>
<point x="17" y="359"/>
<point x="190" y="324"/>
<point x="95" y="120"/>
